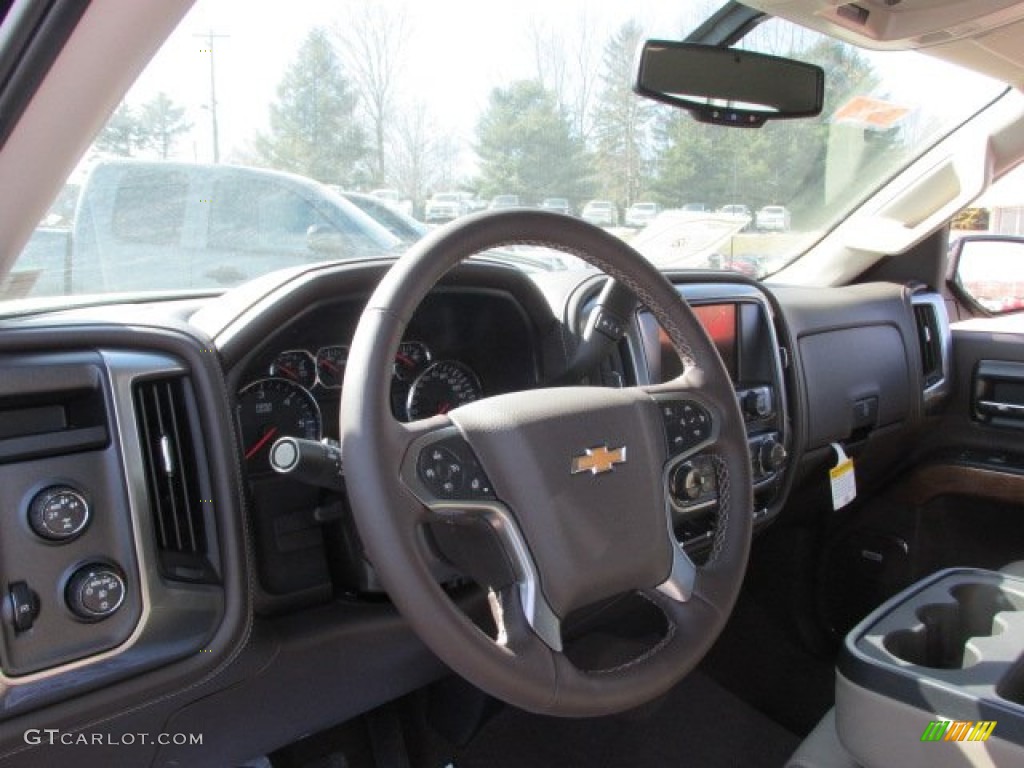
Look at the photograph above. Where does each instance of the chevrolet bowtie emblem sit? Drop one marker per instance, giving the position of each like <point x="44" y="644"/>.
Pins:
<point x="598" y="460"/>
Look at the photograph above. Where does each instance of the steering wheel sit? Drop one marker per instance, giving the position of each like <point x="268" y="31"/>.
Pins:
<point x="571" y="485"/>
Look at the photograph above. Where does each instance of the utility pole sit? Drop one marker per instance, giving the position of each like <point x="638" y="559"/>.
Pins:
<point x="210" y="37"/>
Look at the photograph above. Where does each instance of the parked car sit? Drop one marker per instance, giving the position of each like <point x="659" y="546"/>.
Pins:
<point x="556" y="204"/>
<point x="773" y="218"/>
<point x="222" y="224"/>
<point x="603" y="213"/>
<point x="739" y="211"/>
<point x="394" y="198"/>
<point x="641" y="214"/>
<point x="445" y="206"/>
<point x="404" y="227"/>
<point x="696" y="208"/>
<point x="500" y="202"/>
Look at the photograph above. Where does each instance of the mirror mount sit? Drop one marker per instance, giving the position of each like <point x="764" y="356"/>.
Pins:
<point x="726" y="86"/>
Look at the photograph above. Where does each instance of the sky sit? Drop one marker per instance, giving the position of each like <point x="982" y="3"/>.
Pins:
<point x="449" y="62"/>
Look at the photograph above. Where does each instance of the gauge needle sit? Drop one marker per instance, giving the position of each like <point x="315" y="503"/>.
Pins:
<point x="408" y="362"/>
<point x="287" y="371"/>
<point x="331" y="366"/>
<point x="443" y="408"/>
<point x="260" y="443"/>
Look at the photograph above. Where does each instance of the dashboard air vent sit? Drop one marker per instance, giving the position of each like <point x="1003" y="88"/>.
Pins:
<point x="168" y="427"/>
<point x="930" y="340"/>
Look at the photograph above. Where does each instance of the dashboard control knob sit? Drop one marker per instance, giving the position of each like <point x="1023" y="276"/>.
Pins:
<point x="23" y="606"/>
<point x="772" y="455"/>
<point x="757" y="403"/>
<point x="95" y="591"/>
<point x="58" y="513"/>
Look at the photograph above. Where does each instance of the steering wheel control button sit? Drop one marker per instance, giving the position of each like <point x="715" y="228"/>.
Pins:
<point x="59" y="513"/>
<point x="693" y="483"/>
<point x="23" y="605"/>
<point x="609" y="325"/>
<point x="686" y="424"/>
<point x="95" y="592"/>
<point x="449" y="470"/>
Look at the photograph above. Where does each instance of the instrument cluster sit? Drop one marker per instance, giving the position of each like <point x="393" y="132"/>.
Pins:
<point x="300" y="384"/>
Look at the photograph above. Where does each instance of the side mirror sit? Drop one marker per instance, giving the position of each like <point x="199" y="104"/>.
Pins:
<point x="322" y="239"/>
<point x="988" y="272"/>
<point x="727" y="86"/>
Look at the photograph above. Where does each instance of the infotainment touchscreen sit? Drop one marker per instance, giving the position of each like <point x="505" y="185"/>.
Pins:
<point x="719" y="320"/>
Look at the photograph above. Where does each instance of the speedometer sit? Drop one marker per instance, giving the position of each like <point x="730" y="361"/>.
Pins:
<point x="273" y="408"/>
<point x="442" y="387"/>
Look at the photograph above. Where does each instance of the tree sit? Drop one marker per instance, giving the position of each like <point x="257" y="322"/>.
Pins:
<point x="526" y="146"/>
<point x="313" y="129"/>
<point x="122" y="135"/>
<point x="161" y="123"/>
<point x="567" y="66"/>
<point x="621" y="121"/>
<point x="375" y="37"/>
<point x="423" y="157"/>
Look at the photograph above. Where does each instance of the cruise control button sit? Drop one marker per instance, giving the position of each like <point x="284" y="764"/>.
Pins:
<point x="449" y="470"/>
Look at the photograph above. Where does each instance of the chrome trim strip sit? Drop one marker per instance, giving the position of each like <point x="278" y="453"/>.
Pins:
<point x="539" y="615"/>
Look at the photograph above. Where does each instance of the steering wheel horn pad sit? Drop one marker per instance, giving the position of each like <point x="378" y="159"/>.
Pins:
<point x="592" y="534"/>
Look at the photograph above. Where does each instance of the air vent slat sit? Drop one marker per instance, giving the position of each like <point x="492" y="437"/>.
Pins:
<point x="930" y="343"/>
<point x="166" y="420"/>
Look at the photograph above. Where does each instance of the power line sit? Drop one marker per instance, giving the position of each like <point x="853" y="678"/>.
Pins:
<point x="210" y="37"/>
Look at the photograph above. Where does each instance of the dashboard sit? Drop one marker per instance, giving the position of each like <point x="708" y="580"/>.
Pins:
<point x="135" y="460"/>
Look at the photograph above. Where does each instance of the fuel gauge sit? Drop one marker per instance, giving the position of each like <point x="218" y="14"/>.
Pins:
<point x="412" y="357"/>
<point x="296" y="365"/>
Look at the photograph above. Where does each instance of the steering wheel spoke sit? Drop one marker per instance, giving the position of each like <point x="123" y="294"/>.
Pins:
<point x="682" y="578"/>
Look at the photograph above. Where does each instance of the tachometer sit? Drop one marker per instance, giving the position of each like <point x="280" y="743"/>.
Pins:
<point x="442" y="387"/>
<point x="297" y="365"/>
<point x="273" y="408"/>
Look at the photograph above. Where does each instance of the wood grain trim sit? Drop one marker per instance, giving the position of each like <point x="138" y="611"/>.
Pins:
<point x="934" y="480"/>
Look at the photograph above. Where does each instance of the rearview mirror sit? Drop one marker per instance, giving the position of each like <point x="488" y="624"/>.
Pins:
<point x="988" y="271"/>
<point x="726" y="86"/>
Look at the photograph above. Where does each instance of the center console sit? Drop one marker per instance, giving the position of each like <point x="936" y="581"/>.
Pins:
<point x="941" y="662"/>
<point x="738" y="319"/>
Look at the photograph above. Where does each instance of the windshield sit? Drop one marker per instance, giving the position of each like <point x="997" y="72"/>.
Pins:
<point x="228" y="157"/>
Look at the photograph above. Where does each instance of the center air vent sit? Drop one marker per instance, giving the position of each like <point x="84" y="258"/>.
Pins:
<point x="175" y="476"/>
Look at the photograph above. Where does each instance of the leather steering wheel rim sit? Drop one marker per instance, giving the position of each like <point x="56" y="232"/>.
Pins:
<point x="542" y="430"/>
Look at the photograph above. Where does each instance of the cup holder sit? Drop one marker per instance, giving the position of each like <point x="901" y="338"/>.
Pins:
<point x="940" y="642"/>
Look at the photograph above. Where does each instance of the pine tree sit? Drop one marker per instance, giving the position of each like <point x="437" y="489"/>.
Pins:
<point x="621" y="121"/>
<point x="161" y="123"/>
<point x="313" y="128"/>
<point x="526" y="146"/>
